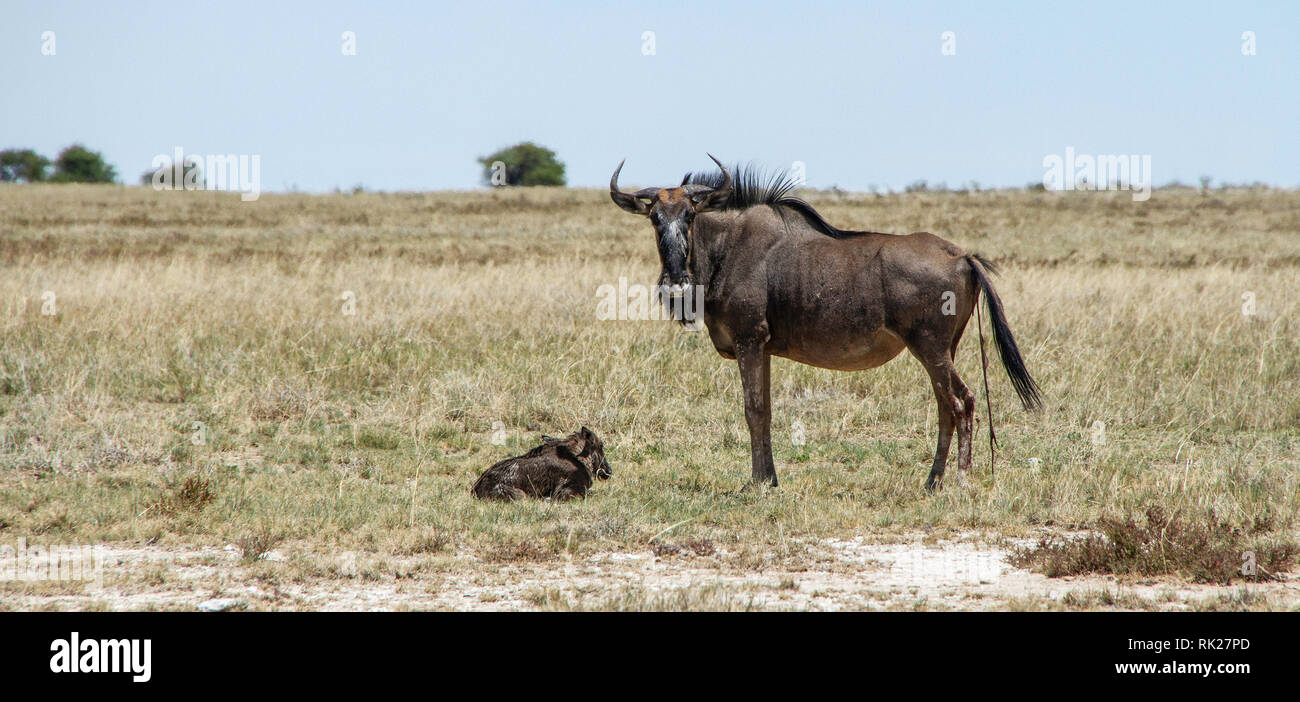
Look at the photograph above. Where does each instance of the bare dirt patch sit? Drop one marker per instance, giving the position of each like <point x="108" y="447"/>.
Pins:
<point x="966" y="572"/>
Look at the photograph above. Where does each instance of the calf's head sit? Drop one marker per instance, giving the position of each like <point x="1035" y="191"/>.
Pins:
<point x="672" y="211"/>
<point x="591" y="451"/>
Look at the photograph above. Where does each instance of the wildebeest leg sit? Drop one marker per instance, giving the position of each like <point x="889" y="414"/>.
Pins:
<point x="965" y="424"/>
<point x="566" y="492"/>
<point x="940" y="379"/>
<point x="509" y="493"/>
<point x="755" y="380"/>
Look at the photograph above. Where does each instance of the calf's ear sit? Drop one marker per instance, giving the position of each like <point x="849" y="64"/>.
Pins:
<point x="577" y="441"/>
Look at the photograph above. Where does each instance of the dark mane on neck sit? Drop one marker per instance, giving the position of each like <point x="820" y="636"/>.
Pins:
<point x="751" y="187"/>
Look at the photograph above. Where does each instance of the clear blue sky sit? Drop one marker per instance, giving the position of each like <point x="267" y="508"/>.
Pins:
<point x="857" y="91"/>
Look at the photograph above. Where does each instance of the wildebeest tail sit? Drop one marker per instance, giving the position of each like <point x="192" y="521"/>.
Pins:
<point x="1012" y="361"/>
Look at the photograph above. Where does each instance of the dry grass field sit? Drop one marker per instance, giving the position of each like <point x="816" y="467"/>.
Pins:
<point x="333" y="453"/>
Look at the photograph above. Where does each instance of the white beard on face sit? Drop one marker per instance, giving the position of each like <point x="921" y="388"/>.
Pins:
<point x="674" y="235"/>
<point x="673" y="238"/>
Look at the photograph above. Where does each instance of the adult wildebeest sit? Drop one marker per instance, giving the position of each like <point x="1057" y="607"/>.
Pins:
<point x="779" y="280"/>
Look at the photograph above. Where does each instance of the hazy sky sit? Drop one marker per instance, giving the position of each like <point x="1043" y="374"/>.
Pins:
<point x="860" y="92"/>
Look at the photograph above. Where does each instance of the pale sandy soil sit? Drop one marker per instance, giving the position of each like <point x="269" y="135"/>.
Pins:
<point x="862" y="573"/>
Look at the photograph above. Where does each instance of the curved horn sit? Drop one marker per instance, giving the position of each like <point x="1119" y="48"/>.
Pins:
<point x="613" y="182"/>
<point x="711" y="199"/>
<point x="631" y="203"/>
<point x="726" y="176"/>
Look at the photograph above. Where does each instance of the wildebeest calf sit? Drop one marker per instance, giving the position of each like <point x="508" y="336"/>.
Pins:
<point x="558" y="469"/>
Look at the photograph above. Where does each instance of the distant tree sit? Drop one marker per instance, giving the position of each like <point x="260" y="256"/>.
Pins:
<point x="22" y="166"/>
<point x="525" y="163"/>
<point x="191" y="179"/>
<point x="77" y="164"/>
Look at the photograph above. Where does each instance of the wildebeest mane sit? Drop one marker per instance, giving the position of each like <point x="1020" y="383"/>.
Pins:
<point x="751" y="187"/>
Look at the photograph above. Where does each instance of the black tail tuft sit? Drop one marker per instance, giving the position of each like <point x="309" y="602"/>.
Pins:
<point x="1014" y="364"/>
<point x="989" y="266"/>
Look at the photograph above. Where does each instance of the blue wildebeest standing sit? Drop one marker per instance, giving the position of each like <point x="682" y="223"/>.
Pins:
<point x="779" y="280"/>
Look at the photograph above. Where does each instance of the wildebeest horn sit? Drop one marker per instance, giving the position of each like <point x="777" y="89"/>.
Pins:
<point x="726" y="176"/>
<point x="712" y="198"/>
<point x="630" y="202"/>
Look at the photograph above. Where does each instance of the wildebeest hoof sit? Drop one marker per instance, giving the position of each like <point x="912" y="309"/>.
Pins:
<point x="757" y="487"/>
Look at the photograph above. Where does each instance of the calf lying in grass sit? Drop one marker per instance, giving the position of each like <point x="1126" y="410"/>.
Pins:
<point x="558" y="470"/>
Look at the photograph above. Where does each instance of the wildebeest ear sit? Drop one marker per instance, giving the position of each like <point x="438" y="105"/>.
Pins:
<point x="578" y="440"/>
<point x="631" y="203"/>
<point x="710" y="200"/>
